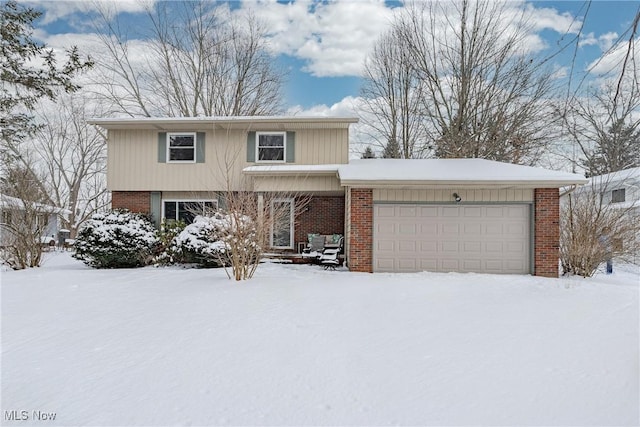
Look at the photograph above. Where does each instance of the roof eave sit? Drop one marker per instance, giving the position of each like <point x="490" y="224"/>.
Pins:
<point x="473" y="184"/>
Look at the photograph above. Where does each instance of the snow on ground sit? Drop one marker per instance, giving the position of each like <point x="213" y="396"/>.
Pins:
<point x="302" y="346"/>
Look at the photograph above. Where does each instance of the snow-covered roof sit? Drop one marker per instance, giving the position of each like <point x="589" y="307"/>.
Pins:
<point x="8" y="202"/>
<point x="446" y="172"/>
<point x="632" y="174"/>
<point x="330" y="169"/>
<point x="224" y="122"/>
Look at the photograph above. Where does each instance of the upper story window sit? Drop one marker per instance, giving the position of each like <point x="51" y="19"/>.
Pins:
<point x="181" y="147"/>
<point x="271" y="146"/>
<point x="186" y="210"/>
<point x="618" y="196"/>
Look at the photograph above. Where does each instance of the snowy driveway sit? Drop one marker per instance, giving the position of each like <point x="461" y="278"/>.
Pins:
<point x="301" y="346"/>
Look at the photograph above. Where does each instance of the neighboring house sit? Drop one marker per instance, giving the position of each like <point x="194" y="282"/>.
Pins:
<point x="620" y="189"/>
<point x="12" y="210"/>
<point x="617" y="190"/>
<point x="466" y="215"/>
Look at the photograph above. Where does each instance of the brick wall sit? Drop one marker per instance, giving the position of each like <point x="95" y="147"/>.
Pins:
<point x="361" y="241"/>
<point x="323" y="215"/>
<point x="135" y="201"/>
<point x="547" y="232"/>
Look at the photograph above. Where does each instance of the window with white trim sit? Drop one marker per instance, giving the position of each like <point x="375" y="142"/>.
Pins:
<point x="271" y="146"/>
<point x="186" y="210"/>
<point x="618" y="196"/>
<point x="282" y="213"/>
<point x="181" y="147"/>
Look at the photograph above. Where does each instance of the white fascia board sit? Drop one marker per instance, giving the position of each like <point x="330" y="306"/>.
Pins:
<point x="475" y="184"/>
<point x="279" y="170"/>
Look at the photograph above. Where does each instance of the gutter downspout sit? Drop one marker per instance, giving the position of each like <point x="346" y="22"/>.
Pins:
<point x="570" y="190"/>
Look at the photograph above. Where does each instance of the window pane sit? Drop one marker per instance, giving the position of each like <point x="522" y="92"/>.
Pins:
<point x="282" y="227"/>
<point x="618" y="196"/>
<point x="271" y="154"/>
<point x="271" y="141"/>
<point x="181" y="141"/>
<point x="170" y="210"/>
<point x="187" y="211"/>
<point x="183" y="154"/>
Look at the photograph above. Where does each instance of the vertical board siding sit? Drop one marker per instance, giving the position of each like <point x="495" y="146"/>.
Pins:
<point x="133" y="159"/>
<point x="446" y="195"/>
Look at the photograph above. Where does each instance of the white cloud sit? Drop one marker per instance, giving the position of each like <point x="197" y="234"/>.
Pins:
<point x="69" y="10"/>
<point x="612" y="60"/>
<point x="332" y="38"/>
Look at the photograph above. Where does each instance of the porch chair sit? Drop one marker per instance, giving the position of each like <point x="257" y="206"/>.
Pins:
<point x="329" y="259"/>
<point x="316" y="244"/>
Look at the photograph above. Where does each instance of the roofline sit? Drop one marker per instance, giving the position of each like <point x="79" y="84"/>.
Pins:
<point x="474" y="184"/>
<point x="331" y="170"/>
<point x="160" y="121"/>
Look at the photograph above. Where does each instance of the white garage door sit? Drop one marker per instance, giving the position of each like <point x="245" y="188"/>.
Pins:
<point x="483" y="239"/>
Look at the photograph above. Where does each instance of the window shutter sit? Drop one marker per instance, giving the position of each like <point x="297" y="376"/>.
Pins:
<point x="291" y="147"/>
<point x="156" y="208"/>
<point x="200" y="143"/>
<point x="162" y="147"/>
<point x="251" y="147"/>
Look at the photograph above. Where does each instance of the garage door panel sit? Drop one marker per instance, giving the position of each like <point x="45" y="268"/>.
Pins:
<point x="428" y="212"/>
<point x="469" y="265"/>
<point x="428" y="246"/>
<point x="407" y="246"/>
<point x="475" y="229"/>
<point x="385" y="264"/>
<point x="492" y="239"/>
<point x="386" y="211"/>
<point x="406" y="212"/>
<point x="472" y="247"/>
<point x="450" y="265"/>
<point x="450" y="228"/>
<point x="407" y="228"/>
<point x="385" y="228"/>
<point x="407" y="264"/>
<point x="385" y="245"/>
<point x="429" y="229"/>
<point x="428" y="264"/>
<point x="472" y="212"/>
<point x="450" y="246"/>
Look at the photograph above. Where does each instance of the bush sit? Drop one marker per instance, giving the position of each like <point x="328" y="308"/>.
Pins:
<point x="166" y="252"/>
<point x="202" y="242"/>
<point x="119" y="239"/>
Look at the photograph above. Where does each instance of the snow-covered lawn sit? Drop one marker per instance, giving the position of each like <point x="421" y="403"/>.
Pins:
<point x="302" y="346"/>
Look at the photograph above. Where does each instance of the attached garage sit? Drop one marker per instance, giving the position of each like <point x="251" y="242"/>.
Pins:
<point x="452" y="238"/>
<point x="452" y="215"/>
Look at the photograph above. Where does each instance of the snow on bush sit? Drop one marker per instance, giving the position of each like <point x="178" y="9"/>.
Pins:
<point x="118" y="239"/>
<point x="202" y="241"/>
<point x="223" y="239"/>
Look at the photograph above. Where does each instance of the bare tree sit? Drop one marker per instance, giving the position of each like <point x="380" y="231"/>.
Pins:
<point x="605" y="128"/>
<point x="200" y="59"/>
<point x="72" y="155"/>
<point x="484" y="95"/>
<point x="593" y="230"/>
<point x="24" y="218"/>
<point x="392" y="99"/>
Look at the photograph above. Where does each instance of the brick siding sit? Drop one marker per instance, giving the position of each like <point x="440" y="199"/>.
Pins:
<point x="547" y="232"/>
<point x="361" y="240"/>
<point x="135" y="201"/>
<point x="322" y="215"/>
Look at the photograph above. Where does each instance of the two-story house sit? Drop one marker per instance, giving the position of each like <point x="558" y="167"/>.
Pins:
<point x="396" y="215"/>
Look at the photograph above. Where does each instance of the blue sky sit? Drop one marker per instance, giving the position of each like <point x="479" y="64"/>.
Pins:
<point x="322" y="44"/>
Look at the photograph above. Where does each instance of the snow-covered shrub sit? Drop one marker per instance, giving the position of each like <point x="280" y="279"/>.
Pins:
<point x="220" y="240"/>
<point x="166" y="252"/>
<point x="118" y="239"/>
<point x="202" y="241"/>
